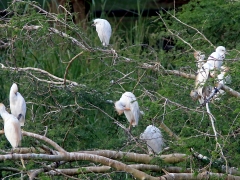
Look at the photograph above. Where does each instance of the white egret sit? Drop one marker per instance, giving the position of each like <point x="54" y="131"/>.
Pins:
<point x="215" y="60"/>
<point x="207" y="70"/>
<point x="103" y="29"/>
<point x="12" y="128"/>
<point x="17" y="104"/>
<point x="153" y="136"/>
<point x="129" y="105"/>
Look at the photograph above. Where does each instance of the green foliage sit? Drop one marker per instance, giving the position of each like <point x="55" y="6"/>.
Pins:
<point x="70" y="113"/>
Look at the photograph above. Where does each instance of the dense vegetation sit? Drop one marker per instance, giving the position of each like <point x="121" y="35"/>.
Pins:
<point x="77" y="111"/>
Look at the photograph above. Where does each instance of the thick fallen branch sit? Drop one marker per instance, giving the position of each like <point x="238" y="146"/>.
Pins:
<point x="80" y="157"/>
<point x="101" y="169"/>
<point x="105" y="169"/>
<point x="138" y="158"/>
<point x="193" y="176"/>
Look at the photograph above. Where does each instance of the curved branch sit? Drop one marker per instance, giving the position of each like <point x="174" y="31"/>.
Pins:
<point x="69" y="64"/>
<point x="43" y="138"/>
<point x="26" y="69"/>
<point x="47" y="140"/>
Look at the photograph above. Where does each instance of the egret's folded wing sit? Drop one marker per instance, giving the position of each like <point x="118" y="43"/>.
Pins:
<point x="135" y="110"/>
<point x="107" y="31"/>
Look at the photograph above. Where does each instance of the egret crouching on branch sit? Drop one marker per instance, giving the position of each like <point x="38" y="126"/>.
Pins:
<point x="129" y="105"/>
<point x="103" y="29"/>
<point x="17" y="104"/>
<point x="153" y="136"/>
<point x="12" y="128"/>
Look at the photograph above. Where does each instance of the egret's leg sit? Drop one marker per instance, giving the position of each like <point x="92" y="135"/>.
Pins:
<point x="130" y="126"/>
<point x="22" y="161"/>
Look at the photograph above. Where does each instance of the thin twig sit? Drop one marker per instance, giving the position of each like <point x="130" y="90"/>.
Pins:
<point x="70" y="62"/>
<point x="189" y="27"/>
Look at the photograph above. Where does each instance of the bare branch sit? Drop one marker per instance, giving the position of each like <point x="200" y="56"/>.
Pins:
<point x="43" y="138"/>
<point x="189" y="76"/>
<point x="83" y="157"/>
<point x="58" y="80"/>
<point x="190" y="27"/>
<point x="138" y="158"/>
<point x="174" y="34"/>
<point x="74" y="41"/>
<point x="204" y="175"/>
<point x="70" y="62"/>
<point x="167" y="130"/>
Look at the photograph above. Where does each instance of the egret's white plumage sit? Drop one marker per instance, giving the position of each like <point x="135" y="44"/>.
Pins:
<point x="153" y="136"/>
<point x="17" y="104"/>
<point x="217" y="57"/>
<point x="205" y="71"/>
<point x="104" y="30"/>
<point x="129" y="105"/>
<point x="12" y="128"/>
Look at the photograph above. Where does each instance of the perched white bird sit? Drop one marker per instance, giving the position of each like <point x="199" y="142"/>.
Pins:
<point x="17" y="104"/>
<point x="207" y="70"/>
<point x="103" y="29"/>
<point x="153" y="136"/>
<point x="129" y="105"/>
<point x="12" y="128"/>
<point x="216" y="58"/>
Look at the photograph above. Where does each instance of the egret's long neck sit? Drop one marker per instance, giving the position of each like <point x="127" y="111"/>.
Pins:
<point x="4" y="114"/>
<point x="12" y="96"/>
